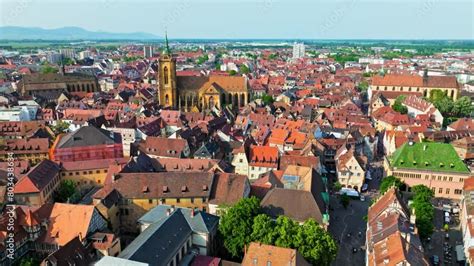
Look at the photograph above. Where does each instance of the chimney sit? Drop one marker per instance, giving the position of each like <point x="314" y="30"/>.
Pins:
<point x="192" y="213"/>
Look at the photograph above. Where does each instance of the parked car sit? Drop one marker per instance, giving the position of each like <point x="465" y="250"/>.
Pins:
<point x="362" y="198"/>
<point x="435" y="260"/>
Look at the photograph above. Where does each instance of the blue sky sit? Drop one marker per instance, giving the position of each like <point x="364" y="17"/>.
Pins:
<point x="265" y="19"/>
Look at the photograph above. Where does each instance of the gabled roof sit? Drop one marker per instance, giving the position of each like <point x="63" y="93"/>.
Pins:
<point x="67" y="221"/>
<point x="264" y="255"/>
<point x="88" y="136"/>
<point x="38" y="177"/>
<point x="228" y="188"/>
<point x="200" y="222"/>
<point x="159" y="243"/>
<point x="299" y="205"/>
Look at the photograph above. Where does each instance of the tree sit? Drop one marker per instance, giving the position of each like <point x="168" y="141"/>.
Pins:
<point x="315" y="244"/>
<point x="424" y="210"/>
<point x="48" y="69"/>
<point x="244" y="69"/>
<point x="422" y="193"/>
<point x="345" y="200"/>
<point x="463" y="107"/>
<point x="61" y="127"/>
<point x="236" y="225"/>
<point x="398" y="106"/>
<point x="363" y="86"/>
<point x="285" y="229"/>
<point x="67" y="61"/>
<point x="267" y="99"/>
<point x="263" y="229"/>
<point x="445" y="106"/>
<point x="232" y="72"/>
<point x="66" y="190"/>
<point x="389" y="182"/>
<point x="437" y="95"/>
<point x="337" y="186"/>
<point x="29" y="261"/>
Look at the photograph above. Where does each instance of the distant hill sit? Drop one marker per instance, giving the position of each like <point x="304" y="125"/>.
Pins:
<point x="68" y="33"/>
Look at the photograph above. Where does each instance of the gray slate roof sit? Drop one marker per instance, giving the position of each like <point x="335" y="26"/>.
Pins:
<point x="88" y="136"/>
<point x="201" y="222"/>
<point x="158" y="244"/>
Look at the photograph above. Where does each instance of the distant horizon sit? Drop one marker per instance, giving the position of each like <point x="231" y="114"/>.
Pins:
<point x="161" y="38"/>
<point x="259" y="19"/>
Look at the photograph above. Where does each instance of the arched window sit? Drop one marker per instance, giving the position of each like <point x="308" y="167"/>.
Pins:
<point x="165" y="73"/>
<point x="211" y="102"/>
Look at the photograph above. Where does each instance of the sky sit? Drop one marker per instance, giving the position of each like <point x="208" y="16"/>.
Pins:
<point x="259" y="19"/>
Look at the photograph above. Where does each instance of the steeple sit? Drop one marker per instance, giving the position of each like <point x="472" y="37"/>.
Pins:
<point x="167" y="47"/>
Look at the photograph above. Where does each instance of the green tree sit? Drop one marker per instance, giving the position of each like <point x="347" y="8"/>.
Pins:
<point x="267" y="99"/>
<point x="389" y="182"/>
<point x="337" y="186"/>
<point x="398" y="106"/>
<point x="67" y="188"/>
<point x="244" y="69"/>
<point x="29" y="261"/>
<point x="272" y="56"/>
<point x="48" y="69"/>
<point x="232" y="72"/>
<point x="363" y="85"/>
<point x="263" y="229"/>
<point x="424" y="212"/>
<point x="345" y="200"/>
<point x="285" y="229"/>
<point x="437" y="95"/>
<point x="218" y="66"/>
<point x="463" y="107"/>
<point x="202" y="59"/>
<point x="445" y="106"/>
<point x="237" y="223"/>
<point x="67" y="61"/>
<point x="60" y="127"/>
<point x="315" y="244"/>
<point x="422" y="193"/>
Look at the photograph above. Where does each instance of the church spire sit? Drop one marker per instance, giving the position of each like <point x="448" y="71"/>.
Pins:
<point x="167" y="47"/>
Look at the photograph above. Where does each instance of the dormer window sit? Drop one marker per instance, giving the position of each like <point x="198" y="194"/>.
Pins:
<point x="184" y="188"/>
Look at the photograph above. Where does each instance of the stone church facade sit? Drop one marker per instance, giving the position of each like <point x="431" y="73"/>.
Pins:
<point x="193" y="93"/>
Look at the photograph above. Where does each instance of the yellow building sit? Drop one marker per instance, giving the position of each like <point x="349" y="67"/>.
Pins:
<point x="37" y="187"/>
<point x="193" y="93"/>
<point x="88" y="173"/>
<point x="140" y="192"/>
<point x="415" y="84"/>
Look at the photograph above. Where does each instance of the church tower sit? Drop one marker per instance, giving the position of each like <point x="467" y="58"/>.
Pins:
<point x="168" y="93"/>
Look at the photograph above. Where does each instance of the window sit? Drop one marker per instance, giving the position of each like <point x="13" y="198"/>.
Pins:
<point x="165" y="73"/>
<point x="203" y="199"/>
<point x="457" y="191"/>
<point x="440" y="190"/>
<point x="98" y="171"/>
<point x="192" y="200"/>
<point x="150" y="201"/>
<point x="178" y="200"/>
<point x="447" y="191"/>
<point x="241" y="161"/>
<point x="451" y="179"/>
